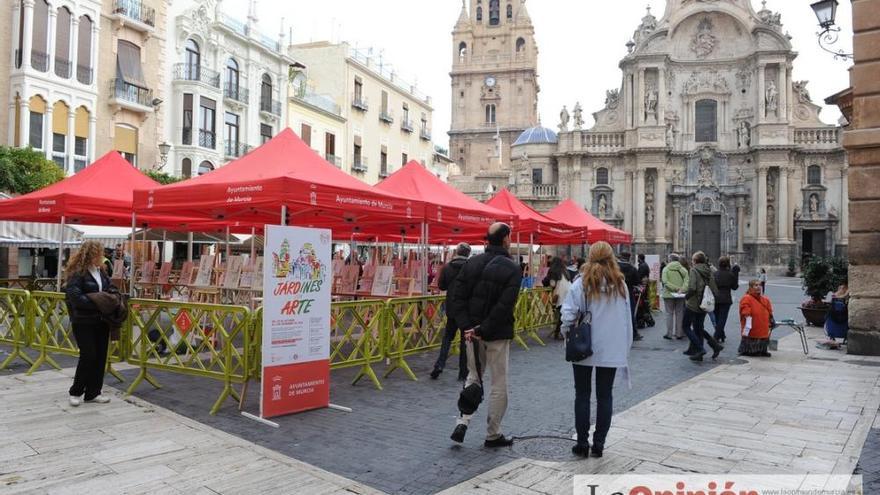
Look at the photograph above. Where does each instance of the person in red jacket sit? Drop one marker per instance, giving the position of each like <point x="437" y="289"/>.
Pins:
<point x="755" y="317"/>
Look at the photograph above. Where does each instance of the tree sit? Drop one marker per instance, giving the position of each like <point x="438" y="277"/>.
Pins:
<point x="162" y="177"/>
<point x="24" y="170"/>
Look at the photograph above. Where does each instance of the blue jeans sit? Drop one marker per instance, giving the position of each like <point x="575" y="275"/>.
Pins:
<point x="721" y="313"/>
<point x="693" y="328"/>
<point x="446" y="344"/>
<point x="604" y="403"/>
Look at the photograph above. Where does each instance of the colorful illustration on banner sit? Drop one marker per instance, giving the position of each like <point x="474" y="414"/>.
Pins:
<point x="276" y="388"/>
<point x="281" y="260"/>
<point x="307" y="266"/>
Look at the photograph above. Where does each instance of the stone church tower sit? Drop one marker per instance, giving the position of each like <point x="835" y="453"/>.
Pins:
<point x="494" y="86"/>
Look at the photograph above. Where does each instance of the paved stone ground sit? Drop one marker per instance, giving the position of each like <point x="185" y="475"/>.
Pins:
<point x="397" y="440"/>
<point x="869" y="462"/>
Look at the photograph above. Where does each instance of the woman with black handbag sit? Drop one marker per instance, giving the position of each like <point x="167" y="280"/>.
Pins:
<point x="597" y="323"/>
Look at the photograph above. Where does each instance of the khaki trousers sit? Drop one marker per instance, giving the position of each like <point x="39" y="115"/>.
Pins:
<point x="674" y="317"/>
<point x="493" y="358"/>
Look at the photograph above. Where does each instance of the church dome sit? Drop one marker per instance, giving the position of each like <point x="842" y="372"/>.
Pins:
<point x="536" y="135"/>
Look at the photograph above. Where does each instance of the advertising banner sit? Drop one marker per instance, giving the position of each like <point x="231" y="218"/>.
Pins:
<point x="296" y="320"/>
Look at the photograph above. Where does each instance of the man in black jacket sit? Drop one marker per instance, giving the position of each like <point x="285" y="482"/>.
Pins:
<point x="644" y="269"/>
<point x="631" y="277"/>
<point x="447" y="276"/>
<point x="482" y="304"/>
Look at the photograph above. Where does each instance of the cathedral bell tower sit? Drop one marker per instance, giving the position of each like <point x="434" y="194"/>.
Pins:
<point x="494" y="83"/>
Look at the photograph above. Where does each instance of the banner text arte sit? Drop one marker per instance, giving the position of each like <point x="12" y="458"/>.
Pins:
<point x="297" y="305"/>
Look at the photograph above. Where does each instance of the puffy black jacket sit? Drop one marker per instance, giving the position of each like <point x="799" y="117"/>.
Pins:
<point x="630" y="275"/>
<point x="485" y="294"/>
<point x="726" y="281"/>
<point x="79" y="306"/>
<point x="644" y="271"/>
<point x="447" y="279"/>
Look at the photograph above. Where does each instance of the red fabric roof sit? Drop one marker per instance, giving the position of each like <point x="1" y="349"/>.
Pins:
<point x="284" y="171"/>
<point x="545" y="230"/>
<point x="451" y="214"/>
<point x="100" y="194"/>
<point x="571" y="213"/>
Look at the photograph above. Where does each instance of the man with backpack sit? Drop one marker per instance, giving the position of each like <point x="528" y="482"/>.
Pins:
<point x="699" y="300"/>
<point x="483" y="301"/>
<point x="446" y="282"/>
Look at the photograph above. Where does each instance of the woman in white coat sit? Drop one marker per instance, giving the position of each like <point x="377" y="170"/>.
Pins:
<point x="606" y="300"/>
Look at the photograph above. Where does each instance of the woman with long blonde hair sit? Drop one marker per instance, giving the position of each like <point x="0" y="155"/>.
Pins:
<point x="600" y="292"/>
<point x="86" y="274"/>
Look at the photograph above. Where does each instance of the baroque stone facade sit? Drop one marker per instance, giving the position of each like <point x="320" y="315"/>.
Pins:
<point x="708" y="144"/>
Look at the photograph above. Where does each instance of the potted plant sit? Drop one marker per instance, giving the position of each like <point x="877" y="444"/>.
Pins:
<point x="792" y="268"/>
<point x="821" y="276"/>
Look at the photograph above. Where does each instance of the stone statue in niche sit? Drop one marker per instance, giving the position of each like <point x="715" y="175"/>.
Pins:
<point x="741" y="177"/>
<point x="578" y="116"/>
<point x="649" y="189"/>
<point x="670" y="134"/>
<point x="651" y="98"/>
<point x="771" y="189"/>
<point x="814" y="205"/>
<point x="603" y="205"/>
<point x="771" y="98"/>
<point x="771" y="221"/>
<point x="676" y="177"/>
<point x="744" y="135"/>
<point x="564" y="117"/>
<point x="649" y="215"/>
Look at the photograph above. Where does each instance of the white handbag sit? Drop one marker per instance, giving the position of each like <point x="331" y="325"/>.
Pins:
<point x="708" y="302"/>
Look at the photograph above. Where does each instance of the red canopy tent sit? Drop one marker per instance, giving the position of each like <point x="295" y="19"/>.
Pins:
<point x="571" y="213"/>
<point x="284" y="174"/>
<point x="531" y="223"/>
<point x="450" y="214"/>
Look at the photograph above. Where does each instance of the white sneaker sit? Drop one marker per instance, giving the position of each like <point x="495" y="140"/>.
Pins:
<point x="101" y="399"/>
<point x="75" y="400"/>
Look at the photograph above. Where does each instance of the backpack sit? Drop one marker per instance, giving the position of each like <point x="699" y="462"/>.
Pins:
<point x="707" y="304"/>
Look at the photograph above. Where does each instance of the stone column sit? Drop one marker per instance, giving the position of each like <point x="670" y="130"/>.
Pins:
<point x="28" y="36"/>
<point x="782" y="77"/>
<point x="627" y="202"/>
<point x="676" y="228"/>
<point x="93" y="124"/>
<point x="639" y="200"/>
<point x="16" y="21"/>
<point x="761" y="201"/>
<point x="47" y="131"/>
<point x="588" y="174"/>
<point x="10" y="134"/>
<point x="844" y="211"/>
<point x="93" y="62"/>
<point x="790" y="93"/>
<point x="660" y="207"/>
<point x="762" y="108"/>
<point x="25" y="124"/>
<point x="71" y="141"/>
<point x="74" y="46"/>
<point x="783" y="216"/>
<point x="740" y="225"/>
<point x="661" y="96"/>
<point x="50" y="38"/>
<point x="640" y="101"/>
<point x="628" y="100"/>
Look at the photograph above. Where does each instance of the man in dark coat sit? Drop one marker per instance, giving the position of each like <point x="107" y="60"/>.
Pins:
<point x="446" y="282"/>
<point x="632" y="279"/>
<point x="482" y="304"/>
<point x="644" y="269"/>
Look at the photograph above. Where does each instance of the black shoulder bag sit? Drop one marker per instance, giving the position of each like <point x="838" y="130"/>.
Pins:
<point x="579" y="342"/>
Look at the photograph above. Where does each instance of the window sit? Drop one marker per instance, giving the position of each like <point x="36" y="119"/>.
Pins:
<point x="462" y="51"/>
<point x="602" y="177"/>
<point x="404" y="159"/>
<point x="207" y="121"/>
<point x="205" y="167"/>
<point x="520" y="45"/>
<point x="537" y="176"/>
<point x="80" y="146"/>
<point x="383" y="162"/>
<point x="509" y="12"/>
<point x="232" y="78"/>
<point x="125" y="141"/>
<point x="358" y="90"/>
<point x="706" y="121"/>
<point x="81" y="139"/>
<point x="39" y="37"/>
<point x="192" y="60"/>
<point x="424" y="123"/>
<point x="59" y="143"/>
<point x="490" y="114"/>
<point x="306" y="134"/>
<point x="405" y="113"/>
<point x="232" y="134"/>
<point x="265" y="133"/>
<point x="266" y="93"/>
<point x="186" y="137"/>
<point x="494" y="12"/>
<point x="130" y="84"/>
<point x="36" y="130"/>
<point x="357" y="158"/>
<point x="384" y="102"/>
<point x="186" y="168"/>
<point x="330" y="147"/>
<point x="62" y="43"/>
<point x="479" y="14"/>
<point x="814" y="175"/>
<point x="84" y="51"/>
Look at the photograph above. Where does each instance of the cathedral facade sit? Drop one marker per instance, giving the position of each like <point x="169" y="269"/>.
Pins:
<point x="708" y="144"/>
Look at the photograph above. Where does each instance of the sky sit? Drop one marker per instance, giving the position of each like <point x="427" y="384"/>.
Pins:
<point x="580" y="44"/>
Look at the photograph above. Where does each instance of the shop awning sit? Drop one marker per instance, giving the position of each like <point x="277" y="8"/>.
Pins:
<point x="535" y="226"/>
<point x="571" y="213"/>
<point x="37" y="235"/>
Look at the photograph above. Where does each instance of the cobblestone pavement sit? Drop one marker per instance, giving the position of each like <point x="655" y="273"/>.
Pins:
<point x="869" y="462"/>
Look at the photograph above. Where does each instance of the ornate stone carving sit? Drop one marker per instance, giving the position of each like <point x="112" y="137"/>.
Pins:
<point x="814" y="205"/>
<point x="708" y="81"/>
<point x="704" y="42"/>
<point x="564" y="117"/>
<point x="603" y="204"/>
<point x="744" y="79"/>
<point x="771" y="221"/>
<point x="771" y="187"/>
<point x="670" y="133"/>
<point x="651" y="99"/>
<point x="578" y="116"/>
<point x="800" y="89"/>
<point x="707" y="157"/>
<point x="771" y="99"/>
<point x="743" y="134"/>
<point x="797" y="212"/>
<point x="612" y="99"/>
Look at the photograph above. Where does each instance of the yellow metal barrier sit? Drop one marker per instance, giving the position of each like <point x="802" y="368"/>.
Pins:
<point x="414" y="325"/>
<point x="14" y="317"/>
<point x="534" y="311"/>
<point x="209" y="340"/>
<point x="53" y="333"/>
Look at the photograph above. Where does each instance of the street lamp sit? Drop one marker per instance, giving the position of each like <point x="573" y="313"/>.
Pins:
<point x="826" y="13"/>
<point x="164" y="149"/>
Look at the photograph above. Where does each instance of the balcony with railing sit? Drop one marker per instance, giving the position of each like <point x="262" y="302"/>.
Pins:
<point x="40" y="61"/>
<point x="603" y="141"/>
<point x="406" y="125"/>
<point x="335" y="160"/>
<point x="360" y="102"/>
<point x="197" y="73"/>
<point x="545" y="190"/>
<point x="207" y="139"/>
<point x="135" y="14"/>
<point x="84" y="74"/>
<point x="236" y="92"/>
<point x="270" y="106"/>
<point x="63" y="68"/>
<point x="818" y="137"/>
<point x="383" y="172"/>
<point x="130" y="96"/>
<point x="386" y="116"/>
<point x="425" y="133"/>
<point x="359" y="164"/>
<point x="233" y="149"/>
<point x="385" y="71"/>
